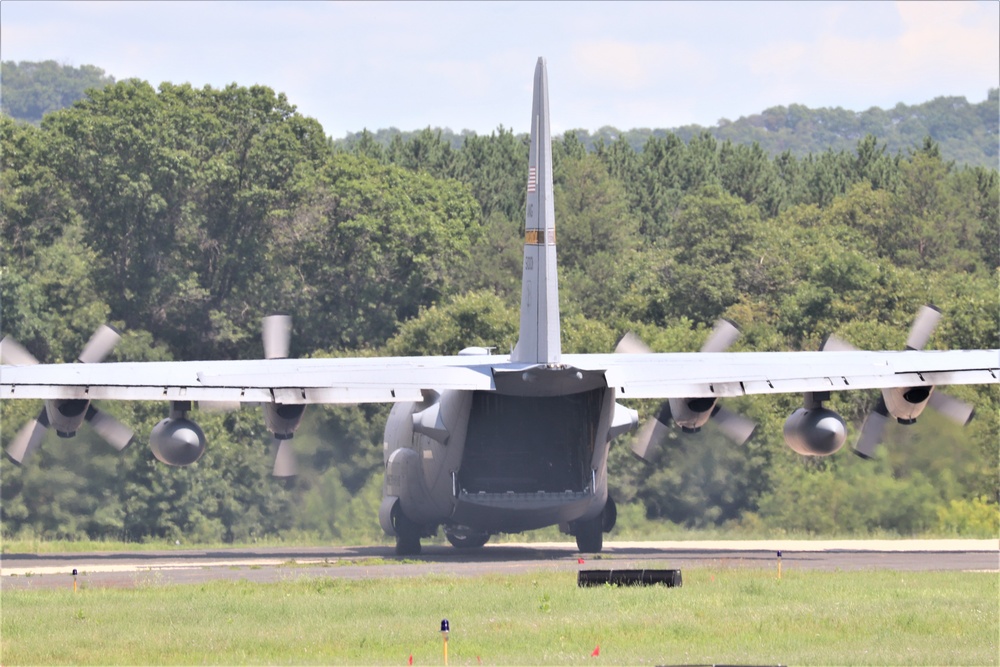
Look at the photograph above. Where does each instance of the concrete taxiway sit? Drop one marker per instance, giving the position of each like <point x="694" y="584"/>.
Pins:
<point x="130" y="569"/>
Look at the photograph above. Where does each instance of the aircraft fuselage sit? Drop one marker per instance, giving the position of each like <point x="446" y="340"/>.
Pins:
<point x="532" y="454"/>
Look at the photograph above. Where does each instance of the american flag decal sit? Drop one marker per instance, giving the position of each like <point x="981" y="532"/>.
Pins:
<point x="532" y="178"/>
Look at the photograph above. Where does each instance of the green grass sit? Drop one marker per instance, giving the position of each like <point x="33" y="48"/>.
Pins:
<point x="719" y="615"/>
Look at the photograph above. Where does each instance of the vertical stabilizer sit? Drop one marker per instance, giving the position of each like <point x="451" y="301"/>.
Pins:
<point x="539" y="338"/>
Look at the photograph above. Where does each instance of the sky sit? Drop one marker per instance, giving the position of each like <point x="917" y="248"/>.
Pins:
<point x="469" y="65"/>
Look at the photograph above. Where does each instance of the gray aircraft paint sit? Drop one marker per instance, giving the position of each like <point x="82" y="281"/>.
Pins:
<point x="539" y="337"/>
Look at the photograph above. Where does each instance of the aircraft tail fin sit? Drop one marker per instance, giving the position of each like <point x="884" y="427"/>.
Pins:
<point x="539" y="336"/>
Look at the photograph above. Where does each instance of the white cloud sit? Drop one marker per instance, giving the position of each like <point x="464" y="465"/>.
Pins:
<point x="947" y="47"/>
<point x="631" y="66"/>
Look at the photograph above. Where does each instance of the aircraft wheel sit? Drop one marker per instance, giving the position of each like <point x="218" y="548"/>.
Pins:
<point x="590" y="535"/>
<point x="473" y="541"/>
<point x="609" y="517"/>
<point x="408" y="545"/>
<point x="407" y="533"/>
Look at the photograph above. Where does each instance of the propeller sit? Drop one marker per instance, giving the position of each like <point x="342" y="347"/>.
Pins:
<point x="115" y="433"/>
<point x="651" y="435"/>
<point x="100" y="345"/>
<point x="873" y="428"/>
<point x="954" y="409"/>
<point x="30" y="437"/>
<point x="733" y="425"/>
<point x="13" y="353"/>
<point x="276" y="332"/>
<point x="724" y="334"/>
<point x="648" y="441"/>
<point x="923" y="326"/>
<point x="285" y="464"/>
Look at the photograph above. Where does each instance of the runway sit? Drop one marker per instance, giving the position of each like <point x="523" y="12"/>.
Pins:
<point x="133" y="569"/>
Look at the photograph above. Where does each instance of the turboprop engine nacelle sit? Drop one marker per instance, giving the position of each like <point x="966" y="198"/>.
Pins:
<point x="691" y="413"/>
<point x="177" y="440"/>
<point x="282" y="419"/>
<point x="66" y="415"/>
<point x="906" y="403"/>
<point x="815" y="431"/>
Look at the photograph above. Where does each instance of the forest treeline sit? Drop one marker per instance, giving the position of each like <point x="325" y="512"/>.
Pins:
<point x="966" y="133"/>
<point x="183" y="215"/>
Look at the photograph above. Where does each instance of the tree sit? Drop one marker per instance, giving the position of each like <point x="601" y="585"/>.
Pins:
<point x="597" y="237"/>
<point x="33" y="89"/>
<point x="181" y="191"/>
<point x="35" y="205"/>
<point x="369" y="249"/>
<point x="710" y="244"/>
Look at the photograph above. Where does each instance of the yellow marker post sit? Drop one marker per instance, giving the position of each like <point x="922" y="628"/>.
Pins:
<point x="779" y="565"/>
<point x="74" y="579"/>
<point x="444" y="633"/>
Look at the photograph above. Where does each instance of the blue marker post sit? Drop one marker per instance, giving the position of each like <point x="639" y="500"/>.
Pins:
<point x="444" y="633"/>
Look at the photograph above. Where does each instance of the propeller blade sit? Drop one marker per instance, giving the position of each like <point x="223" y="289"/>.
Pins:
<point x="100" y="345"/>
<point x="922" y="328"/>
<point x="631" y="344"/>
<point x="735" y="426"/>
<point x="835" y="344"/>
<point x="646" y="444"/>
<point x="871" y="431"/>
<point x="28" y="439"/>
<point x="285" y="464"/>
<point x="115" y="433"/>
<point x="953" y="408"/>
<point x="277" y="334"/>
<point x="13" y="353"/>
<point x="723" y="335"/>
<point x="651" y="435"/>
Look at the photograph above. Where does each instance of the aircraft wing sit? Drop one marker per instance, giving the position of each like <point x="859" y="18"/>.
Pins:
<point x="392" y="379"/>
<point x="719" y="374"/>
<point x="288" y="381"/>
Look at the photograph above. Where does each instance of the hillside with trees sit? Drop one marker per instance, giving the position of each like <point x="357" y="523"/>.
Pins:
<point x="32" y="89"/>
<point x="184" y="215"/>
<point x="965" y="133"/>
<point x="968" y="134"/>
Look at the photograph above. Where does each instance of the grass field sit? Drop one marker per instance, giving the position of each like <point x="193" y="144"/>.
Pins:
<point x="719" y="615"/>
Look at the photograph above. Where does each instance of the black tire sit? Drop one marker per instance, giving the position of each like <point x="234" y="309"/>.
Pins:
<point x="609" y="517"/>
<point x="407" y="533"/>
<point x="407" y="545"/>
<point x="590" y="535"/>
<point x="472" y="541"/>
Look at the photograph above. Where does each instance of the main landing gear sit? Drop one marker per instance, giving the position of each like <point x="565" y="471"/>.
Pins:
<point x="407" y="533"/>
<point x="467" y="540"/>
<point x="590" y="532"/>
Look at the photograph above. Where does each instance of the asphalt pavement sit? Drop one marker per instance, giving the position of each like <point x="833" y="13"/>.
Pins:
<point x="131" y="569"/>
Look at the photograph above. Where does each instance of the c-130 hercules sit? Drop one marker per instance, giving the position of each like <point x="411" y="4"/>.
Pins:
<point x="482" y="444"/>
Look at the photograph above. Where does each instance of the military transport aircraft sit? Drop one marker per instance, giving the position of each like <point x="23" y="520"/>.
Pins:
<point x="482" y="443"/>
